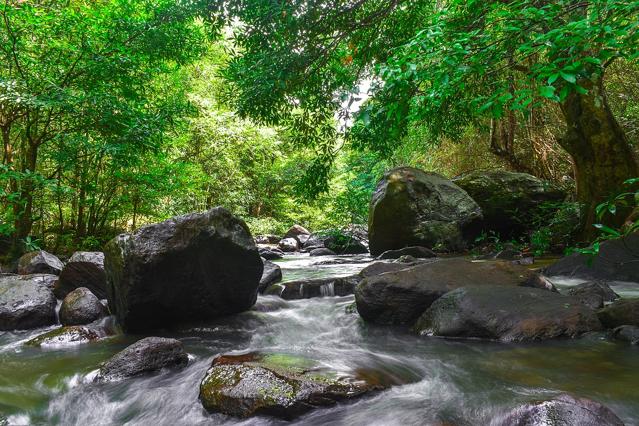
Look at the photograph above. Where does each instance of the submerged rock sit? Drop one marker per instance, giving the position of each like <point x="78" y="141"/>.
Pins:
<point x="278" y="385"/>
<point x="593" y="294"/>
<point x="318" y="287"/>
<point x="84" y="269"/>
<point x="627" y="333"/>
<point x="289" y="245"/>
<point x="507" y="313"/>
<point x="188" y="268"/>
<point x="67" y="336"/>
<point x="509" y="201"/>
<point x="400" y="293"/>
<point x="271" y="275"/>
<point x="25" y="302"/>
<point x="617" y="261"/>
<point x="563" y="410"/>
<point x="81" y="307"/>
<point x="415" y="252"/>
<point x="621" y="312"/>
<point x="144" y="356"/>
<point x="322" y="251"/>
<point x="413" y="208"/>
<point x="39" y="262"/>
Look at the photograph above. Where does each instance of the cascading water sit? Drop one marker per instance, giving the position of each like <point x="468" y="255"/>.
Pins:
<point x="435" y="381"/>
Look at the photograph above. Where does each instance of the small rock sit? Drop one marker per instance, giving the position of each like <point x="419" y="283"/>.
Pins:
<point x="621" y="312"/>
<point x="39" y="262"/>
<point x="81" y="307"/>
<point x="627" y="333"/>
<point x="25" y="302"/>
<point x="271" y="275"/>
<point x="593" y="294"/>
<point x="146" y="355"/>
<point x="271" y="253"/>
<point x="323" y="251"/>
<point x="295" y="231"/>
<point x="414" y="251"/>
<point x="319" y="287"/>
<point x="289" y="245"/>
<point x="564" y="410"/>
<point x="508" y="254"/>
<point x="66" y="336"/>
<point x="277" y="385"/>
<point x="267" y="239"/>
<point x="84" y="269"/>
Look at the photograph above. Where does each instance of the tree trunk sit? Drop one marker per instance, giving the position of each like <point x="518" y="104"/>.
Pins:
<point x="601" y="152"/>
<point x="23" y="209"/>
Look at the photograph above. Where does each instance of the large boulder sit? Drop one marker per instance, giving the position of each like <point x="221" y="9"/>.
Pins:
<point x="414" y="208"/>
<point x="618" y="260"/>
<point x="81" y="307"/>
<point x="621" y="312"/>
<point x="563" y="410"/>
<point x="84" y="269"/>
<point x="507" y="313"/>
<point x="593" y="294"/>
<point x="400" y="293"/>
<point x="509" y="201"/>
<point x="192" y="267"/>
<point x="25" y="303"/>
<point x="278" y="385"/>
<point x="144" y="356"/>
<point x="298" y="233"/>
<point x="345" y="244"/>
<point x="39" y="262"/>
<point x="317" y="287"/>
<point x="272" y="274"/>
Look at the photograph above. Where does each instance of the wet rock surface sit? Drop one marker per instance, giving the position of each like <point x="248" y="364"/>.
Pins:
<point x="271" y="275"/>
<point x="413" y="208"/>
<point x="507" y="313"/>
<point x="621" y="312"/>
<point x="289" y="245"/>
<point x="84" y="269"/>
<point x="25" y="302"/>
<point x="593" y="294"/>
<point x="563" y="410"/>
<point x="67" y="336"/>
<point x="276" y="385"/>
<point x="39" y="262"/>
<point x="322" y="251"/>
<point x="80" y="307"/>
<point x="144" y="356"/>
<point x="415" y="251"/>
<point x="399" y="293"/>
<point x="188" y="268"/>
<point x="627" y="333"/>
<point x="319" y="287"/>
<point x="271" y="253"/>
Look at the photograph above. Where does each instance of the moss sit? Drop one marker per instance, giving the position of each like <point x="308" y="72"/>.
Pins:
<point x="71" y="334"/>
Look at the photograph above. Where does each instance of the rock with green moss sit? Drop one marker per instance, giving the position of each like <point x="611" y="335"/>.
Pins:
<point x="277" y="385"/>
<point x="81" y="307"/>
<point x="67" y="336"/>
<point x="413" y="208"/>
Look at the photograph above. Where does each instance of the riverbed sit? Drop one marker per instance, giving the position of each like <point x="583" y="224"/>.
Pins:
<point x="434" y="381"/>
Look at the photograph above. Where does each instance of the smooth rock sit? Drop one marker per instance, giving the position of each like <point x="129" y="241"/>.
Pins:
<point x="296" y="231"/>
<point x="277" y="385"/>
<point x="318" y="287"/>
<point x="627" y="333"/>
<point x="322" y="252"/>
<point x="144" y="356"/>
<point x="39" y="262"/>
<point x="621" y="312"/>
<point x="617" y="261"/>
<point x="400" y="293"/>
<point x="271" y="253"/>
<point x="507" y="313"/>
<point x="289" y="245"/>
<point x="66" y="336"/>
<point x="563" y="410"/>
<point x="415" y="252"/>
<point x="272" y="274"/>
<point x="413" y="208"/>
<point x="25" y="302"/>
<point x="80" y="307"/>
<point x="593" y="294"/>
<point x="84" y="269"/>
<point x="193" y="267"/>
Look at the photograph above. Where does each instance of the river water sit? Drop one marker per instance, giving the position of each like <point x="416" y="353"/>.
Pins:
<point x="436" y="381"/>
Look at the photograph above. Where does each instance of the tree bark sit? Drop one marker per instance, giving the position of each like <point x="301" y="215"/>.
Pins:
<point x="23" y="210"/>
<point x="601" y="152"/>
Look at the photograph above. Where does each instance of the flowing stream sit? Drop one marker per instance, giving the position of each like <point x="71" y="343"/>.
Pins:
<point x="436" y="381"/>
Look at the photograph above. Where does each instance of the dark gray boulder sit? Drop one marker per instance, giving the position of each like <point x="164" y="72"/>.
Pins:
<point x="318" y="287"/>
<point x="618" y="260"/>
<point x="289" y="245"/>
<point x="277" y="385"/>
<point x="345" y="244"/>
<point x="563" y="410"/>
<point x="188" y="268"/>
<point x="507" y="313"/>
<point x="84" y="269"/>
<point x="321" y="252"/>
<point x="272" y="274"/>
<point x="510" y="202"/>
<point x="621" y="312"/>
<point x="39" y="262"/>
<point x="413" y="208"/>
<point x="80" y="307"/>
<point x="144" y="356"/>
<point x="271" y="253"/>
<point x="415" y="251"/>
<point x="627" y="333"/>
<point x="400" y="293"/>
<point x="25" y="303"/>
<point x="593" y="294"/>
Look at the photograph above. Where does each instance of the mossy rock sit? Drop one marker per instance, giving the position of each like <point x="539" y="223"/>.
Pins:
<point x="279" y="385"/>
<point x="63" y="336"/>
